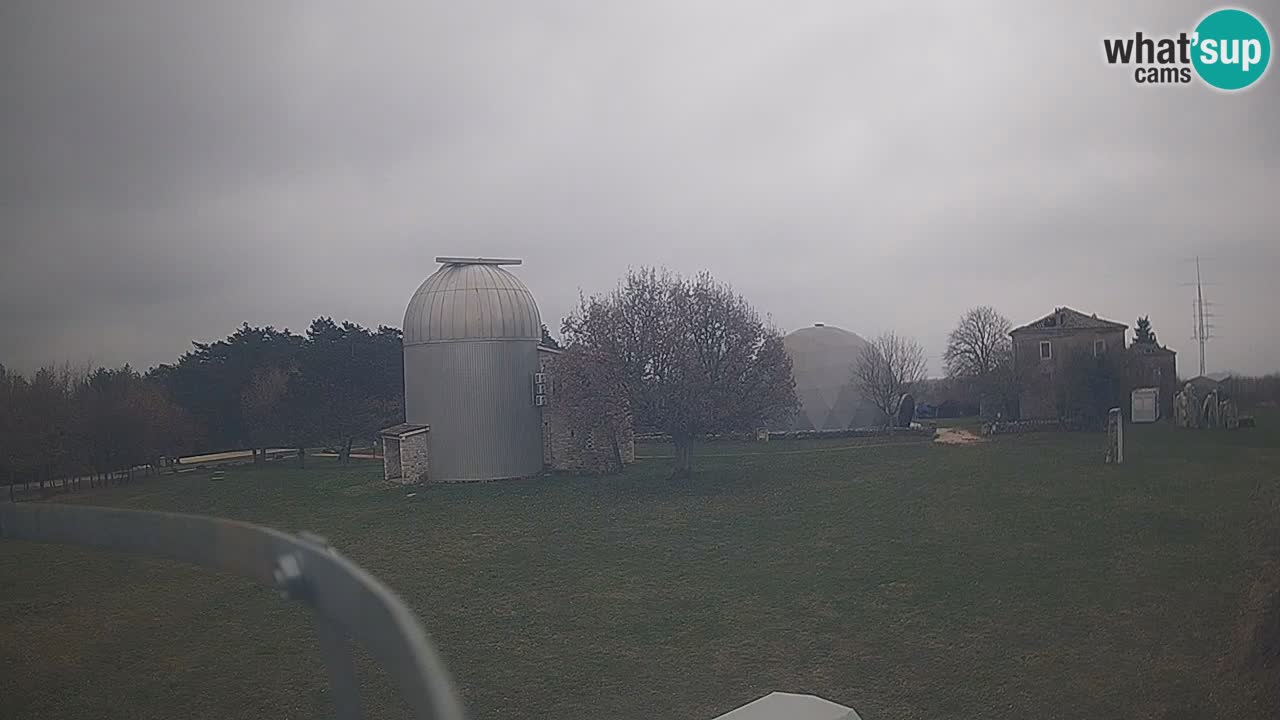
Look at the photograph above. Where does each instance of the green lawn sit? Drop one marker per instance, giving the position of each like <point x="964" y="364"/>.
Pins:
<point x="1019" y="578"/>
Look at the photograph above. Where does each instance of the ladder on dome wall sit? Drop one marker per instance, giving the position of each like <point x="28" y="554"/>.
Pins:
<point x="349" y="603"/>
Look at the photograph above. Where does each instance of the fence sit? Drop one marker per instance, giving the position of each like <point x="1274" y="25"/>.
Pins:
<point x="43" y="488"/>
<point x="926" y="431"/>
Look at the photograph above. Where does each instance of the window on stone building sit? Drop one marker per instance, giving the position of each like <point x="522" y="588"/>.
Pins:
<point x="1046" y="350"/>
<point x="1099" y="348"/>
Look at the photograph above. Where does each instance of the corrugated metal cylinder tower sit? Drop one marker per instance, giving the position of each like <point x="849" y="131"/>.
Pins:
<point x="471" y="337"/>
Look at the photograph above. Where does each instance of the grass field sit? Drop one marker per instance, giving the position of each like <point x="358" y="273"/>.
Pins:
<point x="1020" y="578"/>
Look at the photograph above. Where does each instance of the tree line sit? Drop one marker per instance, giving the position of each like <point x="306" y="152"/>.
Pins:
<point x="662" y="352"/>
<point x="63" y="423"/>
<point x="261" y="387"/>
<point x="257" y="388"/>
<point x="981" y="376"/>
<point x="684" y="356"/>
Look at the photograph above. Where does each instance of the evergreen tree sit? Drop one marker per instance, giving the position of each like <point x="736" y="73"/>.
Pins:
<point x="547" y="340"/>
<point x="1142" y="332"/>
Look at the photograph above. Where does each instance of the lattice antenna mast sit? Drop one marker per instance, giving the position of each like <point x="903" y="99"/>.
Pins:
<point x="1202" y="327"/>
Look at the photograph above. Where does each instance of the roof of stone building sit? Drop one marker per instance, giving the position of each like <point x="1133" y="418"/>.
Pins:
<point x="1138" y="348"/>
<point x="1065" y="318"/>
<point x="403" y="429"/>
<point x="1201" y="381"/>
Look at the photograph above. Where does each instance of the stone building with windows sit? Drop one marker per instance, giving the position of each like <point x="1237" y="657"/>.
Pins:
<point x="1043" y="349"/>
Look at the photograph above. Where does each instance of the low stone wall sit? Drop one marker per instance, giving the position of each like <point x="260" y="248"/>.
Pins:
<point x="1019" y="427"/>
<point x="414" y="462"/>
<point x="921" y="432"/>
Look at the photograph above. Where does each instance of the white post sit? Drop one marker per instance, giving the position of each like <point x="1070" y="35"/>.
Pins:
<point x="1119" y="436"/>
<point x="1115" y="436"/>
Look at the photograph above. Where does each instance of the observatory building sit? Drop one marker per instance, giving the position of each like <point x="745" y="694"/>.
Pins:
<point x="478" y="388"/>
<point x="822" y="360"/>
<point x="471" y="337"/>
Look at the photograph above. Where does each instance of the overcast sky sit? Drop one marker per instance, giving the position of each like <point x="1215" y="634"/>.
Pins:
<point x="169" y="173"/>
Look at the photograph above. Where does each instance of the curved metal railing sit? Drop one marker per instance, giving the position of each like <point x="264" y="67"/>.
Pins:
<point x="348" y="602"/>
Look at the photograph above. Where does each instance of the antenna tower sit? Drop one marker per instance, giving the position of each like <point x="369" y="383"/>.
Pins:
<point x="1202" y="328"/>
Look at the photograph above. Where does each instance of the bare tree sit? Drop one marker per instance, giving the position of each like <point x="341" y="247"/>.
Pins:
<point x="690" y="356"/>
<point x="979" y="345"/>
<point x="888" y="367"/>
<point x="980" y="352"/>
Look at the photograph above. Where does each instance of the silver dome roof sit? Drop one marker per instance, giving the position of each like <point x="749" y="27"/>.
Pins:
<point x="822" y="359"/>
<point x="471" y="299"/>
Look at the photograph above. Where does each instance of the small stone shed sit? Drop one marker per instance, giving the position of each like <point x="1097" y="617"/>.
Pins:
<point x="404" y="453"/>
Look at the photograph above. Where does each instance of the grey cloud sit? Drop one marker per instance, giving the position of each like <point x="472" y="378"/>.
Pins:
<point x="171" y="172"/>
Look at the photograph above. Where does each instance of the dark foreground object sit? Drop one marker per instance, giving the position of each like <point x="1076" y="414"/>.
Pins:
<point x="348" y="602"/>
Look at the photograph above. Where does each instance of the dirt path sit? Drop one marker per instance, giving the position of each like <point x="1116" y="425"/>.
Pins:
<point x="957" y="436"/>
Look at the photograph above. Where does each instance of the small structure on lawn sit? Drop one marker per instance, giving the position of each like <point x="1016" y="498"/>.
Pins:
<point x="404" y="453"/>
<point x="906" y="411"/>
<point x="1151" y="365"/>
<point x="1145" y="405"/>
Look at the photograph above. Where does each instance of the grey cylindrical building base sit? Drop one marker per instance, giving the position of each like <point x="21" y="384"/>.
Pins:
<point x="478" y="399"/>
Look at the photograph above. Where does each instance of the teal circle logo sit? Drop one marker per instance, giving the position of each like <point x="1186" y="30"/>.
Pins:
<point x="1231" y="49"/>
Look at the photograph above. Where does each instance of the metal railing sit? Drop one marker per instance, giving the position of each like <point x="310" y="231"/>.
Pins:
<point x="349" y="603"/>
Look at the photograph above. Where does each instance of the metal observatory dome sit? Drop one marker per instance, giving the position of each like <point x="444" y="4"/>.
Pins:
<point x="822" y="359"/>
<point x="471" y="337"/>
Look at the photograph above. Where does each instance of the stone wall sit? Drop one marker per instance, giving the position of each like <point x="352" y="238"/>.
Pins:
<point x="391" y="459"/>
<point x="582" y="449"/>
<point x="575" y="448"/>
<point x="1040" y="376"/>
<point x="405" y="459"/>
<point x="1019" y="427"/>
<point x="414" y="458"/>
